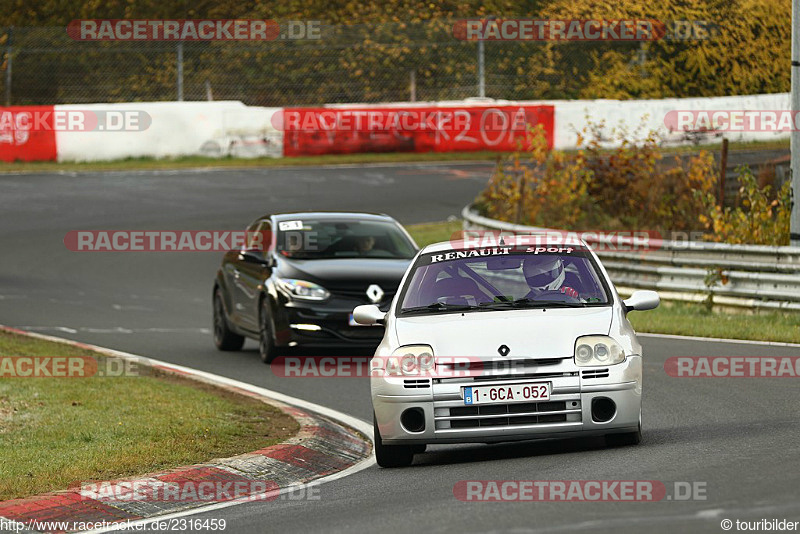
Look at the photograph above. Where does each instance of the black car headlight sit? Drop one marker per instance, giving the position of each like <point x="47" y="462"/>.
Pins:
<point x="303" y="289"/>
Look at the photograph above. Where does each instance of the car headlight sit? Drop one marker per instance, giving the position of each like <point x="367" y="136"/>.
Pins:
<point x="591" y="351"/>
<point x="411" y="360"/>
<point x="303" y="289"/>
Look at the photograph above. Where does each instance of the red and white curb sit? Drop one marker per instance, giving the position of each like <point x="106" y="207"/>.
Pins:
<point x="329" y="446"/>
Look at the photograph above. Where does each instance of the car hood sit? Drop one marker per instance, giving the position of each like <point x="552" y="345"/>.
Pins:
<point x="346" y="273"/>
<point x="533" y="333"/>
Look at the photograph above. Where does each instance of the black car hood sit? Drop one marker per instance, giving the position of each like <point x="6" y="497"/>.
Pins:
<point x="345" y="273"/>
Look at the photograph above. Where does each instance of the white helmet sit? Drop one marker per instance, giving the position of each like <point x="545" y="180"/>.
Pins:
<point x="543" y="272"/>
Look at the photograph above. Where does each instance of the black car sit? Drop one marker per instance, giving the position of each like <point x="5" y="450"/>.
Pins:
<point x="300" y="275"/>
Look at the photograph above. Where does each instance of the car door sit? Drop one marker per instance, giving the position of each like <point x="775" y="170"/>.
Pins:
<point x="231" y="273"/>
<point x="252" y="271"/>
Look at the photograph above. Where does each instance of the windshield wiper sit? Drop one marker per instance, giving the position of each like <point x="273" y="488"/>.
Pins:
<point x="438" y="306"/>
<point x="532" y="303"/>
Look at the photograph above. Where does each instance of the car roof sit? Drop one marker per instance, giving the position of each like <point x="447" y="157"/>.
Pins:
<point x="323" y="215"/>
<point x="491" y="240"/>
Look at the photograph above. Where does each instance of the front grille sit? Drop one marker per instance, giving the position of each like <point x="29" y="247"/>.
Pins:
<point x="416" y="383"/>
<point x="490" y="378"/>
<point x="498" y="415"/>
<point x="362" y="332"/>
<point x="361" y="294"/>
<point x="594" y="373"/>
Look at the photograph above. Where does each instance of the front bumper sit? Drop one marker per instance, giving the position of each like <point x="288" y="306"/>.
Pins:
<point x="568" y="413"/>
<point x="323" y="324"/>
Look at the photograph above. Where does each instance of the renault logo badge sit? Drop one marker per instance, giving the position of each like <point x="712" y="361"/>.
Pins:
<point x="375" y="293"/>
<point x="503" y="350"/>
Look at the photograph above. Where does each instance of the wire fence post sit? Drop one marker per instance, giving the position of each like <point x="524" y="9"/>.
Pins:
<point x="180" y="71"/>
<point x="9" y="64"/>
<point x="209" y="94"/>
<point x="412" y="86"/>
<point x="481" y="78"/>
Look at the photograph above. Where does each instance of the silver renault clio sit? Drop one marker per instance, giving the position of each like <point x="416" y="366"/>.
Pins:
<point x="517" y="341"/>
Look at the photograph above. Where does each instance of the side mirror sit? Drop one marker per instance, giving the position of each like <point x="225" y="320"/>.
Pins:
<point x="256" y="256"/>
<point x="642" y="300"/>
<point x="368" y="314"/>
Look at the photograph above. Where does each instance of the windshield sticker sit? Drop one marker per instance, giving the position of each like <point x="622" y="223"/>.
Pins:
<point x="550" y="250"/>
<point x="290" y="225"/>
<point x="459" y="254"/>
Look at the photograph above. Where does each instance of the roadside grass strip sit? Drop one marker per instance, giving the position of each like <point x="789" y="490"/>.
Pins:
<point x="322" y="449"/>
<point x="59" y="428"/>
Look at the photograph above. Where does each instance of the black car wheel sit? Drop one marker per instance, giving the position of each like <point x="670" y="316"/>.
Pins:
<point x="266" y="342"/>
<point x="224" y="337"/>
<point x="391" y="455"/>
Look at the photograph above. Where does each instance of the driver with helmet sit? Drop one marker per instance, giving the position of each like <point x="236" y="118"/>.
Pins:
<point x="546" y="273"/>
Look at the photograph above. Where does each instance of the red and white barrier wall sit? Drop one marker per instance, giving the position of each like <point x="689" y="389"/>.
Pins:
<point x="160" y="129"/>
<point x="230" y="128"/>
<point x="440" y="127"/>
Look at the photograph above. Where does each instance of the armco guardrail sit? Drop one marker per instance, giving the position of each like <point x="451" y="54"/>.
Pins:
<point x="756" y="276"/>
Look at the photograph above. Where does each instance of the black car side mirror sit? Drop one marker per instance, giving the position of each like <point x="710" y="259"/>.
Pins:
<point x="257" y="256"/>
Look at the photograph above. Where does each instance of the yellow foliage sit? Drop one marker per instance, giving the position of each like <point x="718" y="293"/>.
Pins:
<point x="627" y="188"/>
<point x="758" y="219"/>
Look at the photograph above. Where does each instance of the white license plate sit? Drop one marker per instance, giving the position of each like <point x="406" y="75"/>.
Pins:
<point x="508" y="393"/>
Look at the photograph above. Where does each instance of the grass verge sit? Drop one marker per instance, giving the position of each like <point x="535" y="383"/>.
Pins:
<point x="57" y="432"/>
<point x="427" y="233"/>
<point x="692" y="319"/>
<point x="680" y="318"/>
<point x="192" y="162"/>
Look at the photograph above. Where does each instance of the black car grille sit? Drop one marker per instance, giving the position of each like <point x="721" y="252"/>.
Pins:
<point x="362" y="332"/>
<point x="361" y="294"/>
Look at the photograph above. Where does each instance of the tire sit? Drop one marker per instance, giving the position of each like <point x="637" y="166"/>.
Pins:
<point x="224" y="338"/>
<point x="266" y="342"/>
<point x="391" y="455"/>
<point x="626" y="439"/>
<point x="419" y="449"/>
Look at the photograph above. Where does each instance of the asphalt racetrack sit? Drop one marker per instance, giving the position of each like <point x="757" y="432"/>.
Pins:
<point x="736" y="439"/>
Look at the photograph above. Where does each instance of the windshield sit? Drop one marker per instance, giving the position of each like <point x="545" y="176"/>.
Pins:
<point x="312" y="239"/>
<point x="502" y="278"/>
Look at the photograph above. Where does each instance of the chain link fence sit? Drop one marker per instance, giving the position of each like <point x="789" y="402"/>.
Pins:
<point x="354" y="63"/>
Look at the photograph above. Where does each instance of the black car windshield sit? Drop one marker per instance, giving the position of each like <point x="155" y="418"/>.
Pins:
<point x="312" y="239"/>
<point x="503" y="278"/>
